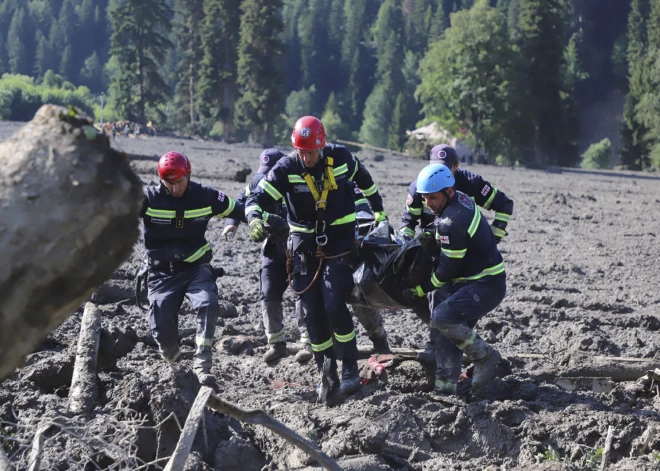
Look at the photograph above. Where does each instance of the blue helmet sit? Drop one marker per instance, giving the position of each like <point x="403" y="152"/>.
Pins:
<point x="433" y="178"/>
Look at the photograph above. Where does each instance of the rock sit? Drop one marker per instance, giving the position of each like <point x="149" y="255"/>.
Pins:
<point x="227" y="310"/>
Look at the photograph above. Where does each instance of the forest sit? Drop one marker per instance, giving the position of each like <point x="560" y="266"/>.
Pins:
<point x="511" y="78"/>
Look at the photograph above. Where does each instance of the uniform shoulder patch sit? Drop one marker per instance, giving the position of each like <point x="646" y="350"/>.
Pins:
<point x="409" y="199"/>
<point x="356" y="190"/>
<point x="221" y="196"/>
<point x="444" y="239"/>
<point x="271" y="176"/>
<point x="485" y="190"/>
<point x="466" y="201"/>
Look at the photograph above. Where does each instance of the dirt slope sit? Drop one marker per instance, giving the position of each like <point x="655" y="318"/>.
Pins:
<point x="583" y="269"/>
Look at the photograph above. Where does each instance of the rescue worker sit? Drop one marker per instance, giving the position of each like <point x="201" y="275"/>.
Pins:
<point x="315" y="182"/>
<point x="272" y="275"/>
<point x="473" y="185"/>
<point x="468" y="282"/>
<point x="175" y="215"/>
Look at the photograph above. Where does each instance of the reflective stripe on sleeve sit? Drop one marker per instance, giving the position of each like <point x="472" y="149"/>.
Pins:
<point x="295" y="179"/>
<point x="345" y="220"/>
<point x="270" y="189"/>
<point x="196" y="213"/>
<point x="407" y="231"/>
<point x="230" y="208"/>
<point x="474" y="225"/>
<point x="490" y="199"/>
<point x="454" y="253"/>
<point x="342" y="169"/>
<point x="357" y="166"/>
<point x="414" y="211"/>
<point x="435" y="282"/>
<point x="504" y="217"/>
<point x="369" y="191"/>
<point x="495" y="270"/>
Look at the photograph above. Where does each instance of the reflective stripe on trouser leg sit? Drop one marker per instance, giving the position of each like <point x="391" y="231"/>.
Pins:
<point x="203" y="295"/>
<point x="302" y="327"/>
<point x="309" y="307"/>
<point x="273" y="319"/>
<point x="445" y="386"/>
<point x="371" y="320"/>
<point x="336" y="283"/>
<point x="165" y="294"/>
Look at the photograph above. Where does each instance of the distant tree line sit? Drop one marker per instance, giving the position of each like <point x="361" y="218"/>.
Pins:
<point x="508" y="76"/>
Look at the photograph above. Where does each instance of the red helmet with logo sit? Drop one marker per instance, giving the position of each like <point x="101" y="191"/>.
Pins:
<point x="173" y="166"/>
<point x="308" y="134"/>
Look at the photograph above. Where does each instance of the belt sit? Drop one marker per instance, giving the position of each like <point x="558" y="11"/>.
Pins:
<point x="171" y="267"/>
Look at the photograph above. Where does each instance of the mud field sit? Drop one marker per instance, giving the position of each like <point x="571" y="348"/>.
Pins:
<point x="583" y="269"/>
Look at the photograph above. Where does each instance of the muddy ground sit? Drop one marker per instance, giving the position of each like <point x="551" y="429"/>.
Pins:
<point x="583" y="269"/>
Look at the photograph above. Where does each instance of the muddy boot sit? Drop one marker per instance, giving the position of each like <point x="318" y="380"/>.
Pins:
<point x="329" y="380"/>
<point x="304" y="354"/>
<point x="427" y="356"/>
<point x="381" y="345"/>
<point x="350" y="378"/>
<point x="171" y="357"/>
<point x="485" y="359"/>
<point x="276" y="351"/>
<point x="205" y="377"/>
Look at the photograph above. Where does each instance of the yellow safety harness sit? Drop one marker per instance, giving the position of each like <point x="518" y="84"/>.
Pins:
<point x="321" y="201"/>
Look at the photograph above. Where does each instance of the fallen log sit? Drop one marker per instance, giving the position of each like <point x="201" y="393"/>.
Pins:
<point x="83" y="391"/>
<point x="260" y="417"/>
<point x="183" y="446"/>
<point x="604" y="464"/>
<point x="68" y="206"/>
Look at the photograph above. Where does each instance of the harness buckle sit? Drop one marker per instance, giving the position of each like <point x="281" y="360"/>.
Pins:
<point x="321" y="240"/>
<point x="319" y="203"/>
<point x="321" y="237"/>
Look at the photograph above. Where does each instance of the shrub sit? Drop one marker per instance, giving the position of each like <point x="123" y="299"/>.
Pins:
<point x="598" y="155"/>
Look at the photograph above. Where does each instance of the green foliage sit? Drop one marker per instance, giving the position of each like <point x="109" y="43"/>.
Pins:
<point x="464" y="77"/>
<point x="598" y="155"/>
<point x="260" y="78"/>
<point x="300" y="103"/>
<point x="396" y="136"/>
<point x="139" y="44"/>
<point x="419" y="148"/>
<point x="332" y="122"/>
<point x="378" y="114"/>
<point x="20" y="97"/>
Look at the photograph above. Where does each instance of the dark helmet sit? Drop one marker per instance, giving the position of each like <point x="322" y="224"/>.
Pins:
<point x="173" y="166"/>
<point x="268" y="158"/>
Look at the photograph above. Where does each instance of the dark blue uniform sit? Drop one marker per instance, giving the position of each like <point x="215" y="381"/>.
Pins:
<point x="483" y="193"/>
<point x="272" y="275"/>
<point x="179" y="260"/>
<point x="328" y="319"/>
<point x="469" y="281"/>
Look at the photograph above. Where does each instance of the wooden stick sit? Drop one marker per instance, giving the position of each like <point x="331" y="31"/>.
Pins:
<point x="37" y="448"/>
<point x="83" y="392"/>
<point x="260" y="417"/>
<point x="608" y="447"/>
<point x="4" y="461"/>
<point x="183" y="446"/>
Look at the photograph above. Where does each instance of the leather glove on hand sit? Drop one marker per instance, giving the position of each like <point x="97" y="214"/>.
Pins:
<point x="276" y="224"/>
<point x="229" y="232"/>
<point x="380" y="216"/>
<point x="257" y="230"/>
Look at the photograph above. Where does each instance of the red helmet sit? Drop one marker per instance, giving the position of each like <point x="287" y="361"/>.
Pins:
<point x="308" y="134"/>
<point x="173" y="166"/>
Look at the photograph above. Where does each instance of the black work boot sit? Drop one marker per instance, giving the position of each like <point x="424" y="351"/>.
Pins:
<point x="276" y="351"/>
<point x="428" y="355"/>
<point x="484" y="368"/>
<point x="350" y="377"/>
<point x="381" y="345"/>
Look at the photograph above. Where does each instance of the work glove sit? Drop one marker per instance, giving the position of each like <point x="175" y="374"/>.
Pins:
<point x="218" y="272"/>
<point x="411" y="296"/>
<point x="257" y="230"/>
<point x="276" y="224"/>
<point x="407" y="234"/>
<point x="229" y="232"/>
<point x="380" y="216"/>
<point x="498" y="233"/>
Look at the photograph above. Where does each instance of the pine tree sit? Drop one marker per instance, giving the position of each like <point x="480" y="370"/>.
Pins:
<point x="260" y="78"/>
<point x="377" y="114"/>
<point x="216" y="91"/>
<point x="541" y="45"/>
<point x="43" y="55"/>
<point x="396" y="135"/>
<point x="190" y="14"/>
<point x="67" y="27"/>
<point x="138" y="46"/>
<point x="16" y="48"/>
<point x="634" y="149"/>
